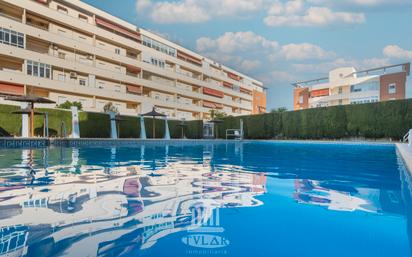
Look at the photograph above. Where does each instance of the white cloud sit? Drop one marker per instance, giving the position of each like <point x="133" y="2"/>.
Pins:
<point x="325" y="67"/>
<point x="236" y="41"/>
<point x="249" y="65"/>
<point x="313" y="16"/>
<point x="195" y="11"/>
<point x="396" y="52"/>
<point x="366" y="3"/>
<point x="305" y="51"/>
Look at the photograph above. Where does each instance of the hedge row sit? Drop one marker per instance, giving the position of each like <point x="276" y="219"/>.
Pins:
<point x="391" y="119"/>
<point x="93" y="125"/>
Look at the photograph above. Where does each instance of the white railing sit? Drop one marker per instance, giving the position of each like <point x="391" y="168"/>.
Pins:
<point x="407" y="138"/>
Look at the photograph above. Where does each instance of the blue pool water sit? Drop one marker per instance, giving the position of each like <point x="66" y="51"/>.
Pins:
<point x="224" y="199"/>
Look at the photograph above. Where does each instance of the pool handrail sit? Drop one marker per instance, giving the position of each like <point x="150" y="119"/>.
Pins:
<point x="407" y="138"/>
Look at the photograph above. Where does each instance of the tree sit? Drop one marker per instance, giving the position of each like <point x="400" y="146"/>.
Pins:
<point x="109" y="107"/>
<point x="68" y="105"/>
<point x="216" y="114"/>
<point x="279" y="110"/>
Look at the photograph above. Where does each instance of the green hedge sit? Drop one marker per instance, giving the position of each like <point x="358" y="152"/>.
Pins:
<point x="391" y="119"/>
<point x="93" y="125"/>
<point x="11" y="123"/>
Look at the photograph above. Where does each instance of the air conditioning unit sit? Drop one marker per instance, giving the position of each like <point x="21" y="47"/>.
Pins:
<point x="73" y="75"/>
<point x="90" y="57"/>
<point x="56" y="48"/>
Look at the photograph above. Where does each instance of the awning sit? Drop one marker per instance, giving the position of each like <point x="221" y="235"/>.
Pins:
<point x="244" y="90"/>
<point x="227" y="84"/>
<point x="233" y="76"/>
<point x="212" y="105"/>
<point x="133" y="68"/>
<point x="213" y="92"/>
<point x="134" y="89"/>
<point x="134" y="35"/>
<point x="189" y="58"/>
<point x="320" y="92"/>
<point x="11" y="89"/>
<point x="209" y="104"/>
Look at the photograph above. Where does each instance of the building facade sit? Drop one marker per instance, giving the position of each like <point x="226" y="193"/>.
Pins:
<point x="67" y="50"/>
<point x="348" y="86"/>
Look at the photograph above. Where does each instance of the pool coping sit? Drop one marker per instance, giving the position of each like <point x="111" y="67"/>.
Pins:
<point x="13" y="142"/>
<point x="405" y="152"/>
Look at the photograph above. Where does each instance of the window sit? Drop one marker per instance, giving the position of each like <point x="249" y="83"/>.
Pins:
<point x="340" y="90"/>
<point x="11" y="37"/>
<point x="117" y="88"/>
<point x="6" y="36"/>
<point x="158" y="46"/>
<point x="42" y="72"/>
<point x="117" y="51"/>
<point x="392" y="88"/>
<point x="301" y="99"/>
<point x="20" y="40"/>
<point x="35" y="69"/>
<point x="29" y="68"/>
<point x="82" y="82"/>
<point x="62" y="55"/>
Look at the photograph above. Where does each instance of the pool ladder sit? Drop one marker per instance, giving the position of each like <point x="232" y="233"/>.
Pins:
<point x="407" y="138"/>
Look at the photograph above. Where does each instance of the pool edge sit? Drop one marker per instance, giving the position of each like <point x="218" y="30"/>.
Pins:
<point x="405" y="152"/>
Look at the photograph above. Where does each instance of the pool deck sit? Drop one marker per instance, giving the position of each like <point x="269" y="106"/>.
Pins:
<point x="405" y="152"/>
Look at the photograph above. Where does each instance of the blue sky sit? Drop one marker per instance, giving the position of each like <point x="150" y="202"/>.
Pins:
<point x="279" y="42"/>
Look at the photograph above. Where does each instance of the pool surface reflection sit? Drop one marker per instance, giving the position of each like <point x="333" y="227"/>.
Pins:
<point x="224" y="199"/>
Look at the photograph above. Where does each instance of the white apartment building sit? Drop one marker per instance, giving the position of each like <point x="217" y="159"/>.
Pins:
<point x="67" y="50"/>
<point x="347" y="85"/>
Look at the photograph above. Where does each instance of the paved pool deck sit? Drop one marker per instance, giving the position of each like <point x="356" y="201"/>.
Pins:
<point x="405" y="152"/>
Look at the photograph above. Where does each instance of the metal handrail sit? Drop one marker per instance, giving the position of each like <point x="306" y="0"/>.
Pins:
<point x="407" y="137"/>
<point x="236" y="133"/>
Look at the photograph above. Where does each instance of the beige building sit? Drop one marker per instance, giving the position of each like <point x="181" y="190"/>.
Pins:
<point x="67" y="50"/>
<point x="347" y="85"/>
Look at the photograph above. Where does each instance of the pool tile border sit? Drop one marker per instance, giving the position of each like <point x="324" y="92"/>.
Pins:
<point x="6" y="143"/>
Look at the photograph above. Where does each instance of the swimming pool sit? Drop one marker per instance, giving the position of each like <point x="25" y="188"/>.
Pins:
<point x="235" y="199"/>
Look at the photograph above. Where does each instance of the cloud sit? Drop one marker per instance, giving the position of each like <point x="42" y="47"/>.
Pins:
<point x="249" y="43"/>
<point x="250" y="65"/>
<point x="366" y="3"/>
<point x="231" y="42"/>
<point x="305" y="51"/>
<point x="396" y="52"/>
<point x="313" y="16"/>
<point x="194" y="11"/>
<point x="325" y="67"/>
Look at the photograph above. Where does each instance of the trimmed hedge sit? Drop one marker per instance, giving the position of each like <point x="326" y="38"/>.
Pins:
<point x="391" y="119"/>
<point x="11" y="123"/>
<point x="93" y="125"/>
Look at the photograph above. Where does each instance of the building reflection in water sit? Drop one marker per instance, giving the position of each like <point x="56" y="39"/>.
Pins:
<point x="120" y="201"/>
<point x="62" y="200"/>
